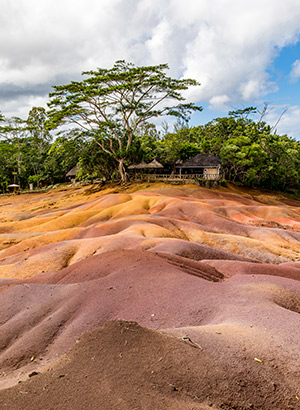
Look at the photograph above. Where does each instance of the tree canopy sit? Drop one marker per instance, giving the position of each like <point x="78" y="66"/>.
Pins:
<point x="111" y="104"/>
<point x="103" y="124"/>
<point x="251" y="154"/>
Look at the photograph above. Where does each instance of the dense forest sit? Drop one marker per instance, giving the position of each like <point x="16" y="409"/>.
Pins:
<point x="251" y="154"/>
<point x="107" y="121"/>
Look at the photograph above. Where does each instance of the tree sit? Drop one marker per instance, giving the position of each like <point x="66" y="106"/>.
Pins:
<point x="12" y="132"/>
<point x="63" y="155"/>
<point x="36" y="124"/>
<point x="39" y="139"/>
<point x="242" y="113"/>
<point x="16" y="133"/>
<point x="6" y="165"/>
<point x="111" y="104"/>
<point x="179" y="145"/>
<point x="144" y="145"/>
<point x="94" y="163"/>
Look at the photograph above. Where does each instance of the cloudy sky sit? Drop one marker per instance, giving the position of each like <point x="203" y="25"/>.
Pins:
<point x="243" y="53"/>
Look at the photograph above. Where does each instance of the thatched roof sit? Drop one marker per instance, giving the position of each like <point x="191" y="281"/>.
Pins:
<point x="154" y="164"/>
<point x="138" y="166"/>
<point x="201" y="161"/>
<point x="72" y="172"/>
<point x="143" y="165"/>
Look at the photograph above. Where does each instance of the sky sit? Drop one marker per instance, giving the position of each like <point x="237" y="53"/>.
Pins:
<point x="243" y="53"/>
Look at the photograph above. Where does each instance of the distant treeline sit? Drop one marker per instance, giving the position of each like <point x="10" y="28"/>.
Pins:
<point x="251" y="153"/>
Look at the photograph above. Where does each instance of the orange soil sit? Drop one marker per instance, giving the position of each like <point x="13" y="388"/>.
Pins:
<point x="218" y="267"/>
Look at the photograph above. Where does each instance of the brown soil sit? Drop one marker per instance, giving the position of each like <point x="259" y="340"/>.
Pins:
<point x="125" y="366"/>
<point x="214" y="273"/>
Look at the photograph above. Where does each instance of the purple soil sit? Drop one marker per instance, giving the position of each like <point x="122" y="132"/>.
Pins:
<point x="225" y="327"/>
<point x="46" y="317"/>
<point x="124" y="366"/>
<point x="229" y="268"/>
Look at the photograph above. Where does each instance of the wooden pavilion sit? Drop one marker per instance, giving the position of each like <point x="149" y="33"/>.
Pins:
<point x="205" y="166"/>
<point x="200" y="167"/>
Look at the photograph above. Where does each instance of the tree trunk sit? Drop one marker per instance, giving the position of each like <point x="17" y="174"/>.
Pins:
<point x="122" y="171"/>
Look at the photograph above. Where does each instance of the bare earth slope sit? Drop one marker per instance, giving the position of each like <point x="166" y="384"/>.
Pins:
<point x="214" y="273"/>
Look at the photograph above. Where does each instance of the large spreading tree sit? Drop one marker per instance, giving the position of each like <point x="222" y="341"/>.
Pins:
<point x="111" y="104"/>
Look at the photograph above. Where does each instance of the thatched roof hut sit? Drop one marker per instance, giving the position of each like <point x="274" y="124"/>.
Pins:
<point x="155" y="165"/>
<point x="143" y="165"/>
<point x="201" y="161"/>
<point x="72" y="172"/>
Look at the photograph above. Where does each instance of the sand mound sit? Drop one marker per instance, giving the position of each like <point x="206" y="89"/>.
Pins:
<point x="214" y="273"/>
<point x="77" y="228"/>
<point x="43" y="315"/>
<point x="125" y="366"/>
<point x="229" y="268"/>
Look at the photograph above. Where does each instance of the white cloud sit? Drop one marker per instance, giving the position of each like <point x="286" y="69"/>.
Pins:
<point x="219" y="102"/>
<point x="285" y="122"/>
<point x="295" y="71"/>
<point x="227" y="46"/>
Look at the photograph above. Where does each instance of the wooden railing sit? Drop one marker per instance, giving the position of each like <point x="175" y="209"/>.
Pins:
<point x="176" y="177"/>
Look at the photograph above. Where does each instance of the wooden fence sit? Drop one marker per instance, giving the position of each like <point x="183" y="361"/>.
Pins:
<point x="176" y="177"/>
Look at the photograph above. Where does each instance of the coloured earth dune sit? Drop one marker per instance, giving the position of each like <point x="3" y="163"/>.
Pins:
<point x="150" y="296"/>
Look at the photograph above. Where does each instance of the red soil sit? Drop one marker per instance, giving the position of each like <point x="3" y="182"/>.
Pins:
<point x="188" y="262"/>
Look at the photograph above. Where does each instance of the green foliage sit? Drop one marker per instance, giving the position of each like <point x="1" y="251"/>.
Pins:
<point x="242" y="113"/>
<point x="95" y="164"/>
<point x="250" y="153"/>
<point x="111" y="104"/>
<point x="38" y="142"/>
<point x="6" y="165"/>
<point x="109" y="113"/>
<point x="178" y="146"/>
<point x="27" y="143"/>
<point x="63" y="155"/>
